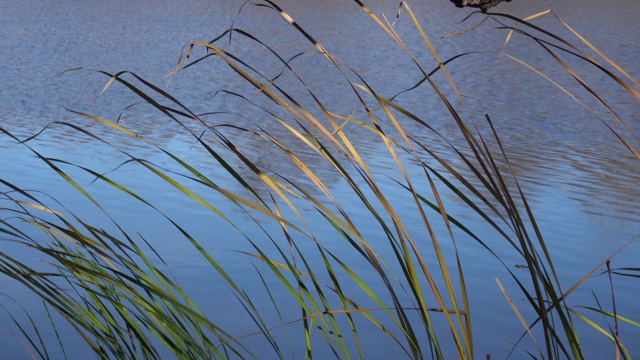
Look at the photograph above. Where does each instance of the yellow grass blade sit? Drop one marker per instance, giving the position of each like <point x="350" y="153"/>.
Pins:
<point x="433" y="51"/>
<point x="602" y="55"/>
<point x="39" y="207"/>
<point x="518" y="314"/>
<point x="274" y="263"/>
<point x="528" y="18"/>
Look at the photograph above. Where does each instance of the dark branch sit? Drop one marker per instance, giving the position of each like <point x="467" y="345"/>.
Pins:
<point x="484" y="5"/>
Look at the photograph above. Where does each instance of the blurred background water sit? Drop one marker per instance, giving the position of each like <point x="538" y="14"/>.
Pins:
<point x="582" y="183"/>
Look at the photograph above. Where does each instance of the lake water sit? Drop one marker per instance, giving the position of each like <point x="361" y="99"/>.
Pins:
<point x="582" y="183"/>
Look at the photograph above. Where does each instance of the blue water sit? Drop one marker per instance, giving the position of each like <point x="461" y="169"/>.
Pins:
<point x="582" y="184"/>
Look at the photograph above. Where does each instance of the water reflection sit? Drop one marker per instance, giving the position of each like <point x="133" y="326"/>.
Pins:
<point x="582" y="183"/>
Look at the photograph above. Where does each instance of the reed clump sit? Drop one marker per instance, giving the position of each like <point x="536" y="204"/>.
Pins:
<point x="352" y="262"/>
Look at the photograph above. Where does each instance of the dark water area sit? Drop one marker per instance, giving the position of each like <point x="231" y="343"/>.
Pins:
<point x="582" y="183"/>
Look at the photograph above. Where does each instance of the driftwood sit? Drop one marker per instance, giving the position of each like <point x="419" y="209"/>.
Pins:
<point x="484" y="5"/>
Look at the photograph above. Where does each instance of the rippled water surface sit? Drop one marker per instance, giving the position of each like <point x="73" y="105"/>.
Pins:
<point x="583" y="184"/>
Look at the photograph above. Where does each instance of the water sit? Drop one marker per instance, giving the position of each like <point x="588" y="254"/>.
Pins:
<point x="582" y="183"/>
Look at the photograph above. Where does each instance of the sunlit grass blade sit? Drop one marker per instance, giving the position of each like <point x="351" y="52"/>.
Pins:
<point x="326" y="228"/>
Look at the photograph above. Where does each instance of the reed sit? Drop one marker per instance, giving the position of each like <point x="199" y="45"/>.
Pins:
<point x="408" y="283"/>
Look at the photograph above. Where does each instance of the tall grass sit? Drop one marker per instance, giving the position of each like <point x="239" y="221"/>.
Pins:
<point x="411" y="287"/>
